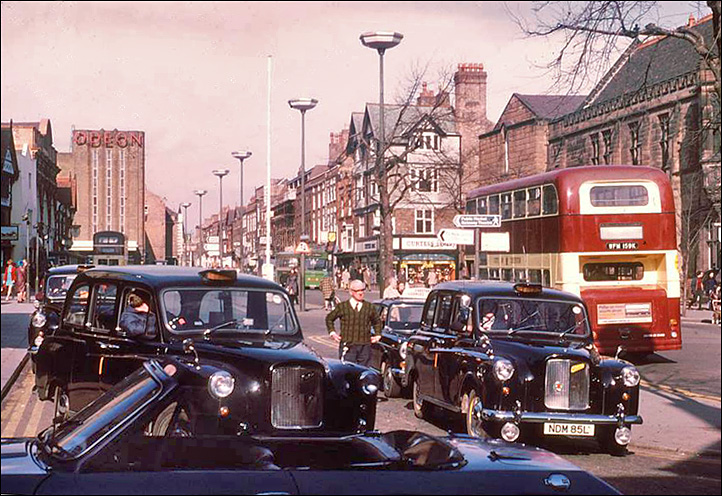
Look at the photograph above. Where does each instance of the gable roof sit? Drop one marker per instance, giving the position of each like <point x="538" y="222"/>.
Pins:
<point x="652" y="62"/>
<point x="399" y="120"/>
<point x="551" y="106"/>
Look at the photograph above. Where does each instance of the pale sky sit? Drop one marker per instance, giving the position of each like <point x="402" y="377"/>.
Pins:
<point x="194" y="76"/>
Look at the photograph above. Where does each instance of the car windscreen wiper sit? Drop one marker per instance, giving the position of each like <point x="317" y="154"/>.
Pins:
<point x="571" y="329"/>
<point x="207" y="333"/>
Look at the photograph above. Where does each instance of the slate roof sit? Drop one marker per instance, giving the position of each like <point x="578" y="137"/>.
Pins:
<point x="652" y="62"/>
<point x="551" y="106"/>
<point x="404" y="119"/>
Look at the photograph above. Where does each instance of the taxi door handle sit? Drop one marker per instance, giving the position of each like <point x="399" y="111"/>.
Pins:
<point x="108" y="346"/>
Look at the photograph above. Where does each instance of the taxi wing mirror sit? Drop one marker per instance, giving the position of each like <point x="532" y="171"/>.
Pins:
<point x="189" y="347"/>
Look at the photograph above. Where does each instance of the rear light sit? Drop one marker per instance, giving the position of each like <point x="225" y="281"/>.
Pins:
<point x="674" y="327"/>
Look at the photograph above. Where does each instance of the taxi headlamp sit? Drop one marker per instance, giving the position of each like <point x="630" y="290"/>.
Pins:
<point x="221" y="384"/>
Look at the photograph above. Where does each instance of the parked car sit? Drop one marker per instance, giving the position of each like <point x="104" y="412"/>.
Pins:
<point x="518" y="361"/>
<point x="401" y="318"/>
<point x="163" y="429"/>
<point x="245" y="322"/>
<point x="49" y="302"/>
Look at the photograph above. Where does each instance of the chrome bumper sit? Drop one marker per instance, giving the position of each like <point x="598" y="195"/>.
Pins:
<point x="542" y="417"/>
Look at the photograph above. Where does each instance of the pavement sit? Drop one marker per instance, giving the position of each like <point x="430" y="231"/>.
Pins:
<point x="695" y="430"/>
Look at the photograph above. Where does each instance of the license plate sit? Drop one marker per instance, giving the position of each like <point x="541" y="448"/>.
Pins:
<point x="557" y="429"/>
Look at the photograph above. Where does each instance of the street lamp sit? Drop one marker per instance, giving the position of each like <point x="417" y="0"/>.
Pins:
<point x="220" y="173"/>
<point x="243" y="155"/>
<point x="303" y="104"/>
<point x="382" y="41"/>
<point x="185" y="206"/>
<point x="200" y="193"/>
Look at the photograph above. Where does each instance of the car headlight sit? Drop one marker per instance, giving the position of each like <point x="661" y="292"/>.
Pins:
<point x="630" y="376"/>
<point x="503" y="369"/>
<point x="39" y="319"/>
<point x="369" y="382"/>
<point x="403" y="350"/>
<point x="221" y="384"/>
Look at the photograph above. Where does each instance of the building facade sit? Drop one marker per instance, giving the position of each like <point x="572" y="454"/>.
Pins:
<point x="109" y="167"/>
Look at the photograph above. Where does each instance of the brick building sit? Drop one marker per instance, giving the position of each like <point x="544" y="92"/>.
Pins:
<point x="109" y="167"/>
<point x="650" y="109"/>
<point x="162" y="231"/>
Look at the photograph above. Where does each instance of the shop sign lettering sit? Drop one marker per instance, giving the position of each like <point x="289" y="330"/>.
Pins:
<point x="109" y="139"/>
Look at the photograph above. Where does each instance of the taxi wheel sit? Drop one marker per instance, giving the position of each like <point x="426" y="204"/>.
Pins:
<point x="474" y="425"/>
<point x="421" y="409"/>
<point x="392" y="389"/>
<point x="62" y="405"/>
<point x="181" y="427"/>
<point x="607" y="442"/>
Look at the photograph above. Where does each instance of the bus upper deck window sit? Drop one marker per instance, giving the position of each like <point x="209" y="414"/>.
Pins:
<point x="506" y="206"/>
<point x="494" y="205"/>
<point x="550" y="201"/>
<point x="533" y="206"/>
<point x="481" y="206"/>
<point x="620" y="195"/>
<point x="471" y="207"/>
<point x="519" y="203"/>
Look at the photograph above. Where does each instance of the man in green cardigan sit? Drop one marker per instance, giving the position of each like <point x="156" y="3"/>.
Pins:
<point x="357" y="317"/>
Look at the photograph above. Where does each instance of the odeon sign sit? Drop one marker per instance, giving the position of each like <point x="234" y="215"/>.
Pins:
<point x="109" y="139"/>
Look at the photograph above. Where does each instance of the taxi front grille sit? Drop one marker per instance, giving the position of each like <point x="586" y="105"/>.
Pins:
<point x="296" y="397"/>
<point x="567" y="385"/>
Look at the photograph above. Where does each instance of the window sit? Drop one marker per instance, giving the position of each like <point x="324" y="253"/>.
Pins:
<point x="519" y="204"/>
<point x="594" y="138"/>
<point x="425" y="180"/>
<point x="664" y="141"/>
<point x="430" y="309"/>
<point x="607" y="139"/>
<point x="619" y="196"/>
<point x="634" y="147"/>
<point x="505" y="206"/>
<point x="481" y="206"/>
<point x="78" y="307"/>
<point x="104" y="309"/>
<point x="549" y="200"/>
<point x="471" y="207"/>
<point x="424" y="221"/>
<point x="533" y="201"/>
<point x="444" y="312"/>
<point x="494" y="205"/>
<point x="613" y="271"/>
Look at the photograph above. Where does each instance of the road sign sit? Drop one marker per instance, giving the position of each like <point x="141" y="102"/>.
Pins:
<point x="303" y="248"/>
<point x="457" y="236"/>
<point x="469" y="221"/>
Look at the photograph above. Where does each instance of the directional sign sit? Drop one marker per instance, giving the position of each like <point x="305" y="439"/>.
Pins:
<point x="457" y="236"/>
<point x="470" y="221"/>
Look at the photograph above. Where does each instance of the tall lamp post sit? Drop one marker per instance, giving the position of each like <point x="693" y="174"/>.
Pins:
<point x="382" y="41"/>
<point x="185" y="206"/>
<point x="220" y="173"/>
<point x="303" y="104"/>
<point x="200" y="193"/>
<point x="241" y="156"/>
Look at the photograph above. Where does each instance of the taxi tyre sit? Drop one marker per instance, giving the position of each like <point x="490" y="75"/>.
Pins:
<point x="392" y="389"/>
<point x="159" y="426"/>
<point x="474" y="427"/>
<point x="61" y="412"/>
<point x="607" y="442"/>
<point x="421" y="409"/>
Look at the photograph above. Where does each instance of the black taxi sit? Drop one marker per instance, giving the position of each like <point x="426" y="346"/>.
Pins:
<point x="519" y="362"/>
<point x="272" y="382"/>
<point x="401" y="318"/>
<point x="49" y="302"/>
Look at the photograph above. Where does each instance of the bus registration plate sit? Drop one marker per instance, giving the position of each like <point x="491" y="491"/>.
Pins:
<point x="557" y="429"/>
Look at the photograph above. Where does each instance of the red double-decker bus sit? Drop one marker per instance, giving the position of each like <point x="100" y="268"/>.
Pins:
<point x="606" y="233"/>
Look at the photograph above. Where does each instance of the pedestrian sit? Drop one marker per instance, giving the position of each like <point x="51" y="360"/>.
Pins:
<point x="391" y="289"/>
<point x="708" y="285"/>
<point x="697" y="290"/>
<point x="292" y="287"/>
<point x="345" y="278"/>
<point x="366" y="276"/>
<point x="357" y="318"/>
<point x="21" y="280"/>
<point x="328" y="291"/>
<point x="9" y="278"/>
<point x="431" y="279"/>
<point x="137" y="320"/>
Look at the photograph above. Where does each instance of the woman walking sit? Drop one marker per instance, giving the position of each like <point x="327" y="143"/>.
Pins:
<point x="22" y="274"/>
<point x="9" y="278"/>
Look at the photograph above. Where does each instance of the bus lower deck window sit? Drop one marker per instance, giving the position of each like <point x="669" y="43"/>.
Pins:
<point x="620" y="271"/>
